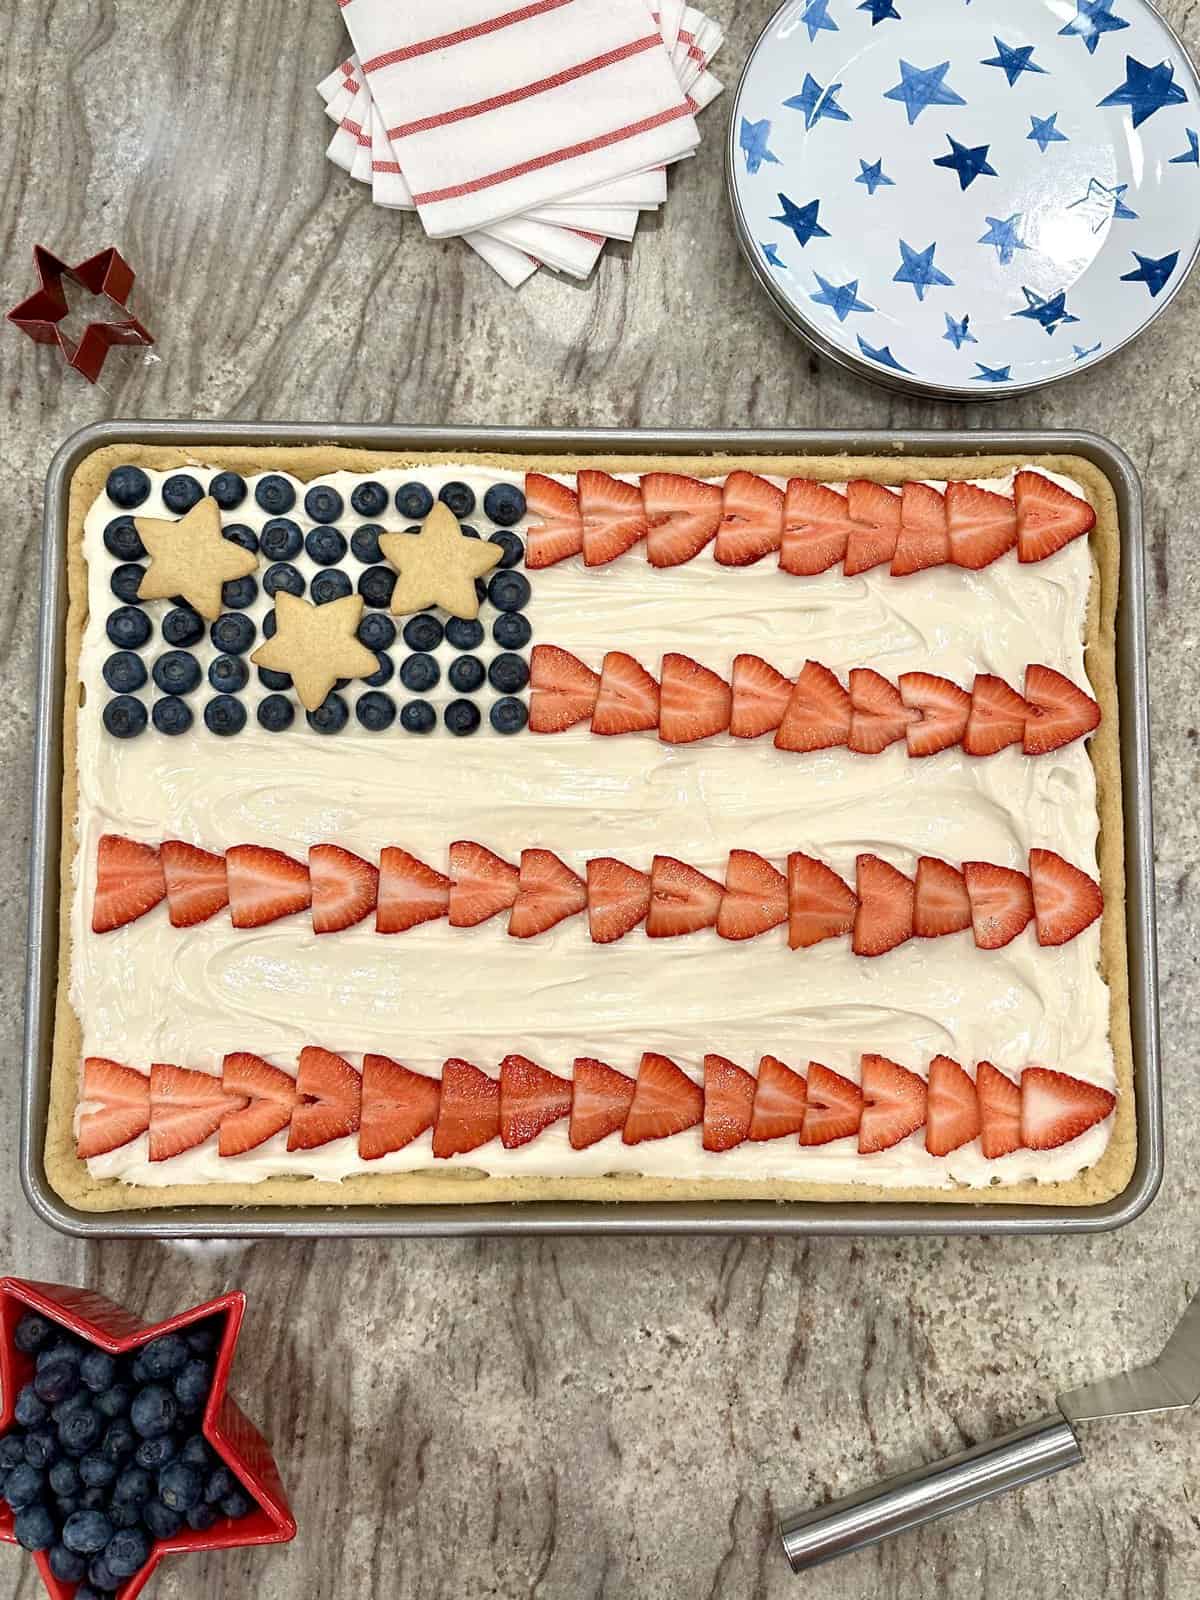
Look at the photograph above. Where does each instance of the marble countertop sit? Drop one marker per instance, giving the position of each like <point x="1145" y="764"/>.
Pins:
<point x="575" y="1417"/>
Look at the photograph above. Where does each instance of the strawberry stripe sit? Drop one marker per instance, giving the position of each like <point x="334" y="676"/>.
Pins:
<point x="446" y="41"/>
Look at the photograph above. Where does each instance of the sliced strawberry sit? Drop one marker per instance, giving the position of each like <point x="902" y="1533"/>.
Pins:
<point x="618" y="898"/>
<point x="614" y="518"/>
<point x="600" y="1102"/>
<point x="629" y="698"/>
<point x="1048" y="516"/>
<point x="129" y="882"/>
<point x="481" y="884"/>
<point x="760" y="697"/>
<point x="265" y="885"/>
<point x="833" y="1109"/>
<point x="1058" y="711"/>
<point x="556" y="529"/>
<point x="886" y="907"/>
<point x="271" y="1098"/>
<point x="820" y="905"/>
<point x="665" y="1101"/>
<point x="548" y="892"/>
<point x="122" y="1100"/>
<point x="751" y="520"/>
<point x="816" y="527"/>
<point x="695" y="703"/>
<point x="924" y="532"/>
<point x="331" y="1103"/>
<point x="410" y="892"/>
<point x="875" y="526"/>
<point x="1065" y="900"/>
<point x="682" y="900"/>
<point x="468" y="1112"/>
<point x="780" y="1098"/>
<point x="953" y="1112"/>
<point x="941" y="904"/>
<point x="818" y="713"/>
<point x="944" y="709"/>
<point x="197" y="887"/>
<point x="999" y="1112"/>
<point x="755" y="898"/>
<point x="531" y="1099"/>
<point x="878" y="716"/>
<point x="562" y="690"/>
<point x="983" y="525"/>
<point x="728" y="1103"/>
<point x="997" y="717"/>
<point x="1056" y="1108"/>
<point x="186" y="1108"/>
<point x="398" y="1106"/>
<point x="682" y="516"/>
<point x="345" y="888"/>
<point x="1001" y="903"/>
<point x="893" y="1104"/>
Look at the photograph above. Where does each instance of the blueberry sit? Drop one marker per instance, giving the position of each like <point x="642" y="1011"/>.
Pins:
<point x="202" y="1338"/>
<point x="193" y="1383"/>
<point x="181" y="492"/>
<point x="171" y="716"/>
<point x="135" y="1484"/>
<point x="102" y="1578"/>
<point x="124" y="672"/>
<point x="513" y="549"/>
<point x="98" y="1370"/>
<point x="128" y="628"/>
<point x="364" y="544"/>
<point x="87" y="1532"/>
<point x="481" y="590"/>
<point x="375" y="711"/>
<point x="282" y="576"/>
<point x="239" y="594"/>
<point x="469" y="533"/>
<point x="224" y="716"/>
<point x="74" y="1402"/>
<point x="80" y="1431"/>
<point x="276" y="713"/>
<point x="238" y="533"/>
<point x="41" y="1448"/>
<point x="183" y="626"/>
<point x="509" y="591"/>
<point x="63" y="1349"/>
<point x="221" y="1482"/>
<point x="237" y="1505"/>
<point x="228" y="674"/>
<point x="127" y="1552"/>
<point x="95" y="1470"/>
<point x="12" y="1452"/>
<point x="418" y="716"/>
<point x="127" y="487"/>
<point x="228" y="489"/>
<point x="125" y="581"/>
<point x="420" y="673"/>
<point x="464" y="634"/>
<point x="153" y="1454"/>
<point x="376" y="632"/>
<point x="466" y="674"/>
<point x="201" y="1518"/>
<point x="164" y="1357"/>
<point x="66" y="1566"/>
<point x="414" y="501"/>
<point x="124" y="1513"/>
<point x="196" y="1452"/>
<point x="423" y="632"/>
<point x="34" y="1528"/>
<point x="459" y="497"/>
<point x="369" y="499"/>
<point x="120" y="1441"/>
<point x="93" y="1500"/>
<point x="180" y="1487"/>
<point x="177" y="672"/>
<point x="462" y="717"/>
<point x="274" y="680"/>
<point x="511" y="631"/>
<point x="504" y="504"/>
<point x="325" y="546"/>
<point x="88" y="1591"/>
<point x="382" y="674"/>
<point x="29" y="1410"/>
<point x="330" y="585"/>
<point x="162" y="1522"/>
<point x="269" y="625"/>
<point x="275" y="495"/>
<point x="280" y="539"/>
<point x="331" y="716"/>
<point x="376" y="585"/>
<point x="58" y="1378"/>
<point x="23" y="1486"/>
<point x="114" y="1402"/>
<point x="508" y="673"/>
<point x="232" y="634"/>
<point x="66" y="1478"/>
<point x="122" y="540"/>
<point x="323" y="503"/>
<point x="125" y="717"/>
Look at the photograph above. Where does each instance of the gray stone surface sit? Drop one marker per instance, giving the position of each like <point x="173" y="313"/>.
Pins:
<point x="577" y="1417"/>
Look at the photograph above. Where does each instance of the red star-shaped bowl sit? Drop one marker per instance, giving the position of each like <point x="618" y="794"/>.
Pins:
<point x="235" y="1439"/>
<point x="107" y="275"/>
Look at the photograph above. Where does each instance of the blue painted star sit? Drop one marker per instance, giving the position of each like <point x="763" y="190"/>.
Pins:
<point x="1103" y="205"/>
<point x="1191" y="156"/>
<point x="922" y="87"/>
<point x="882" y="354"/>
<point x="1002" y="232"/>
<point x="771" y="252"/>
<point x="817" y="102"/>
<point x="880" y="11"/>
<point x="1013" y="60"/>
<point x="992" y="374"/>
<point x="959" y="333"/>
<point x="1050" y="312"/>
<point x="842" y="299"/>
<point x="1044" y="132"/>
<point x="753" y="139"/>
<point x="873" y="176"/>
<point x="968" y="163"/>
<point x="916" y="267"/>
<point x="1153" y="272"/>
<point x="1146" y="90"/>
<point x="802" y="220"/>
<point x="1081" y="354"/>
<point x="1092" y="19"/>
<point x="816" y="19"/>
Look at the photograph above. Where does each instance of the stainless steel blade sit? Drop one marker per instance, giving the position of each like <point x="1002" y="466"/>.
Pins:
<point x="1172" y="1383"/>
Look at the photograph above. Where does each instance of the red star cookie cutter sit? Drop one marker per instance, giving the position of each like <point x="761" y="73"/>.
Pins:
<point x="235" y="1439"/>
<point x="107" y="275"/>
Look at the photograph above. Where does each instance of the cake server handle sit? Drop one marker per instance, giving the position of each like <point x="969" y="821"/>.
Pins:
<point x="914" y="1498"/>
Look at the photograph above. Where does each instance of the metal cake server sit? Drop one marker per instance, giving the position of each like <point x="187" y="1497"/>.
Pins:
<point x="1172" y="1383"/>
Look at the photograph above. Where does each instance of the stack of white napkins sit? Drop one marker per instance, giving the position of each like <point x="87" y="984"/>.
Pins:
<point x="535" y="131"/>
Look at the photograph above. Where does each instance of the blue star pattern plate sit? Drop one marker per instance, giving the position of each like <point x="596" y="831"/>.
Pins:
<point x="968" y="197"/>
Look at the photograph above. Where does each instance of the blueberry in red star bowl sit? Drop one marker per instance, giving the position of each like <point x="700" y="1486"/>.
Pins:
<point x="42" y="1448"/>
<point x="88" y="1591"/>
<point x="182" y="627"/>
<point x="197" y="1453"/>
<point x="384" y="672"/>
<point x="508" y="673"/>
<point x="331" y="716"/>
<point x="124" y="672"/>
<point x="62" y="1349"/>
<point x="414" y="501"/>
<point x="127" y="487"/>
<point x="369" y="499"/>
<point x="237" y="1505"/>
<point x="238" y="533"/>
<point x="124" y="1513"/>
<point x="125" y="581"/>
<point x="128" y="628"/>
<point x="283" y="576"/>
<point x="122" y="540"/>
<point x="467" y="674"/>
<point x="325" y="546"/>
<point x="102" y="1577"/>
<point x="154" y="1454"/>
<point x="274" y="680"/>
<point x="162" y="1357"/>
<point x="228" y="674"/>
<point x="514" y="550"/>
<point x="375" y="711"/>
<point x="120" y="1441"/>
<point x="418" y="716"/>
<point x="34" y="1528"/>
<point x="511" y="630"/>
<point x="219" y="1483"/>
<point x="462" y="717"/>
<point x="181" y="492"/>
<point x="73" y="1402"/>
<point x="202" y="1517"/>
<point x="504" y="504"/>
<point x="66" y="1476"/>
<point x="275" y="495"/>
<point x="276" y="713"/>
<point x="192" y="1385"/>
<point x="126" y="1552"/>
<point x="162" y="1522"/>
<point x="12" y="1452"/>
<point x="114" y="1402"/>
<point x="66" y="1566"/>
<point x="125" y="717"/>
<point x="281" y="539"/>
<point x="87" y="1532"/>
<point x="377" y="632"/>
<point x="97" y="1369"/>
<point x="233" y="634"/>
<point x="177" y="672"/>
<point x="376" y="585"/>
<point x="459" y="498"/>
<point x="228" y="489"/>
<point x="509" y="591"/>
<point x="56" y="1380"/>
<point x="80" y="1431"/>
<point x="29" y="1410"/>
<point x="135" y="1485"/>
<point x="24" y="1486"/>
<point x="223" y="716"/>
<point x="180" y="1487"/>
<point x="154" y="1408"/>
<point x="96" y="1471"/>
<point x="364" y="544"/>
<point x="171" y="715"/>
<point x="323" y="503"/>
<point x="420" y="673"/>
<point x="239" y="593"/>
<point x="423" y="632"/>
<point x="330" y="585"/>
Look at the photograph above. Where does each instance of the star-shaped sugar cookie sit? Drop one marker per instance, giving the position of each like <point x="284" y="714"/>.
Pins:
<point x="438" y="566"/>
<point x="316" y="645"/>
<point x="190" y="558"/>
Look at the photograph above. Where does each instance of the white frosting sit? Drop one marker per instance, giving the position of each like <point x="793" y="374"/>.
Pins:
<point x="147" y="993"/>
